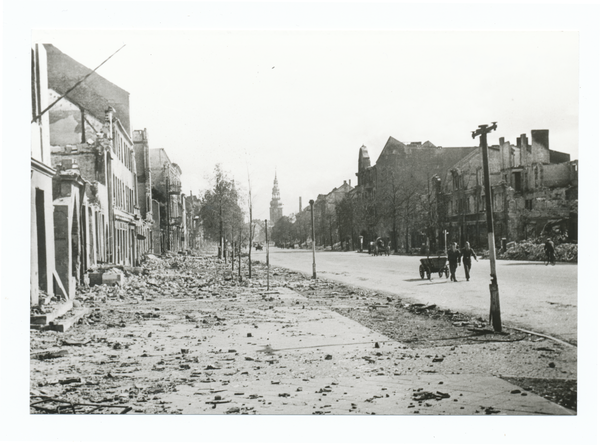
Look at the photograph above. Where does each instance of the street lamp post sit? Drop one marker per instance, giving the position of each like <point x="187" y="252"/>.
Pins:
<point x="267" y="243"/>
<point x="494" y="290"/>
<point x="445" y="241"/>
<point x="312" y="222"/>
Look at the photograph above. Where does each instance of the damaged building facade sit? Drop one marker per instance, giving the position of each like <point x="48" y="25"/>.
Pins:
<point x="92" y="203"/>
<point x="90" y="134"/>
<point x="328" y="224"/>
<point x="141" y="147"/>
<point x="169" y="230"/>
<point x="534" y="193"/>
<point x="420" y="196"/>
<point x="42" y="262"/>
<point x="395" y="191"/>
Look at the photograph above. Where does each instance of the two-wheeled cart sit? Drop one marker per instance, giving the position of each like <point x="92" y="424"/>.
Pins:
<point x="430" y="266"/>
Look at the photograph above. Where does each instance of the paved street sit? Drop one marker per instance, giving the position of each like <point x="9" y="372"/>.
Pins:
<point x="532" y="296"/>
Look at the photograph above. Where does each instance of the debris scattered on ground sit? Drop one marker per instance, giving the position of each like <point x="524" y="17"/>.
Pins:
<point x="529" y="251"/>
<point x="139" y="343"/>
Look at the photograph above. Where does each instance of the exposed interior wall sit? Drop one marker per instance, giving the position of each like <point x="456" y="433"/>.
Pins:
<point x="69" y="124"/>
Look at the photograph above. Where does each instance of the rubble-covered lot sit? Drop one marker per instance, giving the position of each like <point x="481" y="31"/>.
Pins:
<point x="187" y="335"/>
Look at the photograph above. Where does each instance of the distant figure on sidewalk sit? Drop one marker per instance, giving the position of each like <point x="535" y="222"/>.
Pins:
<point x="549" y="249"/>
<point x="467" y="253"/>
<point x="453" y="260"/>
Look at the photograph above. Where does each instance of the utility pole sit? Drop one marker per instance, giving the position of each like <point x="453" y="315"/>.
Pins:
<point x="267" y="243"/>
<point x="250" y="238"/>
<point x="240" y="255"/>
<point x="232" y="251"/>
<point x="445" y="242"/>
<point x="312" y="222"/>
<point x="494" y="291"/>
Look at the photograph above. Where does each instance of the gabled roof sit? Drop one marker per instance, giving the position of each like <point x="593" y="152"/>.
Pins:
<point x="95" y="95"/>
<point x="423" y="158"/>
<point x="391" y="147"/>
<point x="445" y="158"/>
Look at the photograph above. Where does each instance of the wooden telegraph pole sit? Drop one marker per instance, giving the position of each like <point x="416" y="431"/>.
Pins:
<point x="267" y="243"/>
<point x="494" y="291"/>
<point x="240" y="255"/>
<point x="250" y="238"/>
<point x="312" y="221"/>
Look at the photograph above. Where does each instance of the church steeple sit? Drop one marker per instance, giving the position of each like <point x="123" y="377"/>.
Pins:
<point x="276" y="206"/>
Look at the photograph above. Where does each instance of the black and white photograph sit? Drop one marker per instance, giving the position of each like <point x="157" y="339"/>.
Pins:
<point x="306" y="217"/>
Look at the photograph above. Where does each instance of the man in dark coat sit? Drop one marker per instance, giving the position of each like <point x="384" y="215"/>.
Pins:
<point x="467" y="253"/>
<point x="549" y="249"/>
<point x="453" y="260"/>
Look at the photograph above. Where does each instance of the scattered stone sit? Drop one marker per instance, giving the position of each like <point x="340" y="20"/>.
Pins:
<point x="70" y="380"/>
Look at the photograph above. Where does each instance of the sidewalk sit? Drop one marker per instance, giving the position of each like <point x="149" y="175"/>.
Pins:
<point x="315" y="361"/>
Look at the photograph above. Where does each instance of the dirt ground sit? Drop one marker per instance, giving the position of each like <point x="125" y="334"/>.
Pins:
<point x="144" y="342"/>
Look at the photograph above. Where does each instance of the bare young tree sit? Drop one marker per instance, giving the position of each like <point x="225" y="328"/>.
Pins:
<point x="220" y="209"/>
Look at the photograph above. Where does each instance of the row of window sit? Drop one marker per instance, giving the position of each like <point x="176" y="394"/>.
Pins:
<point x="123" y="246"/>
<point x="122" y="150"/>
<point x="124" y="198"/>
<point x="467" y="205"/>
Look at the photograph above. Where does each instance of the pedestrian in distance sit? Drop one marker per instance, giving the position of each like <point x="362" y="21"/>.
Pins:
<point x="549" y="249"/>
<point x="467" y="253"/>
<point x="453" y="261"/>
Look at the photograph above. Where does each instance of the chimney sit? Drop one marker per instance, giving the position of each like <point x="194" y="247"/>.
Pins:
<point x="501" y="141"/>
<point x="540" y="138"/>
<point x="523" y="143"/>
<point x="108" y="121"/>
<point x="300" y="204"/>
<point x="350" y="182"/>
<point x="540" y="145"/>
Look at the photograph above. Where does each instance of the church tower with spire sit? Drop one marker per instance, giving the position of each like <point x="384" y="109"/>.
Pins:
<point x="276" y="206"/>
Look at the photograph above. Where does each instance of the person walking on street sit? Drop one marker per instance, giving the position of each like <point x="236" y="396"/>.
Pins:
<point x="467" y="253"/>
<point x="453" y="261"/>
<point x="549" y="249"/>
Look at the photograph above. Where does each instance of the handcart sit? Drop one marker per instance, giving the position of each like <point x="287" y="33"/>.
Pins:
<point x="433" y="265"/>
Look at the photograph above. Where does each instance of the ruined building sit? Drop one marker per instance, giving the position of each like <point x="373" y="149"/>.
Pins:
<point x="169" y="229"/>
<point x="96" y="212"/>
<point x="534" y="193"/>
<point x="141" y="148"/>
<point x="97" y="194"/>
<point x="394" y="187"/>
<point x="43" y="270"/>
<point x="416" y="193"/>
<point x="328" y="224"/>
<point x="276" y="210"/>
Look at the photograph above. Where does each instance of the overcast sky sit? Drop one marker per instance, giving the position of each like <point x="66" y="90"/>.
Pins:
<point x="303" y="103"/>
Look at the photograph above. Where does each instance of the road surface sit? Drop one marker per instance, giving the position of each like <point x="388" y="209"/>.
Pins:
<point x="532" y="296"/>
